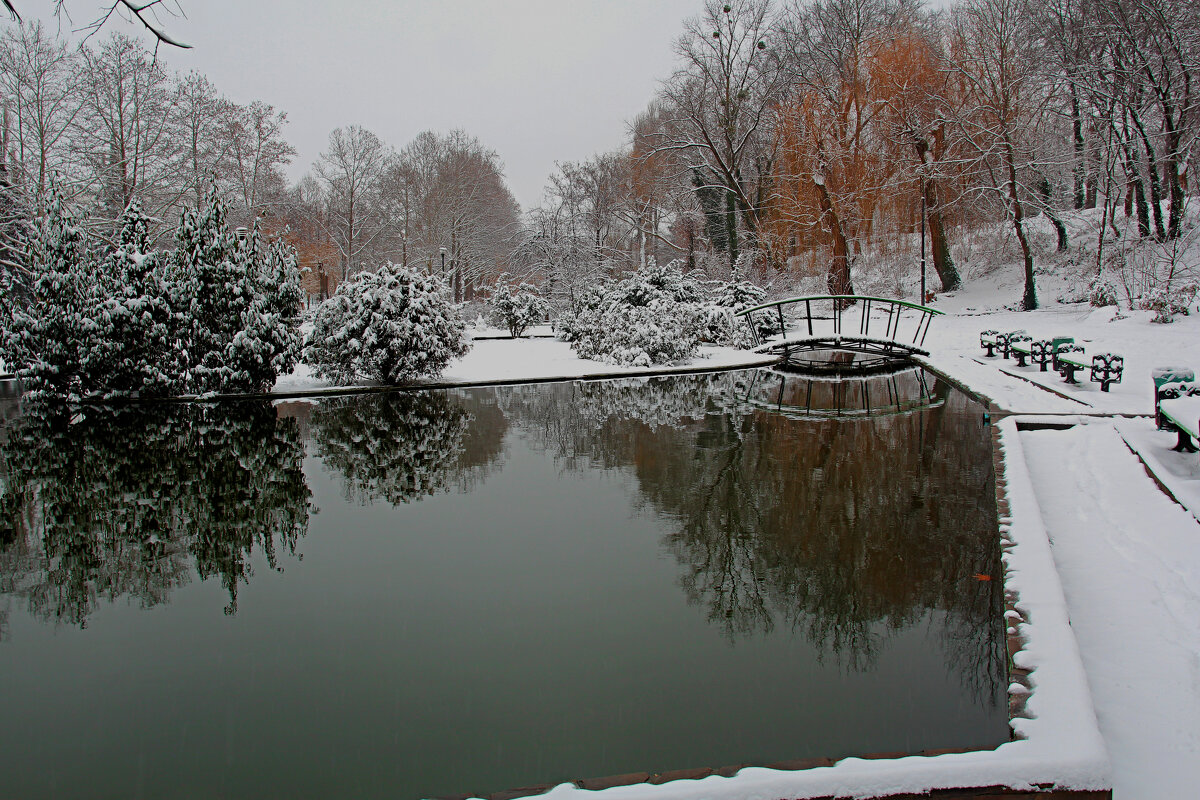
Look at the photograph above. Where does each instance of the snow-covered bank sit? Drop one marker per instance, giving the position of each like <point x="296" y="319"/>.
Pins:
<point x="537" y="359"/>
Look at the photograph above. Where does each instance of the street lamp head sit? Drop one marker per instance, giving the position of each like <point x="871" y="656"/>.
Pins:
<point x="442" y="250"/>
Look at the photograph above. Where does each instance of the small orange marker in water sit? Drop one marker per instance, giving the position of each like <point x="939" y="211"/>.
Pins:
<point x="979" y="576"/>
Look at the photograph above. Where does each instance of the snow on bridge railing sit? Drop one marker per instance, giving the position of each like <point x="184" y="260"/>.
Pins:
<point x="841" y="303"/>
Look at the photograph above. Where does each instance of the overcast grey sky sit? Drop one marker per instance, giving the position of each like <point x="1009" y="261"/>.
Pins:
<point x="538" y="81"/>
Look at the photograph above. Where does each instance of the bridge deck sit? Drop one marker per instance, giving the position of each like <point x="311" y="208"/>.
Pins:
<point x="885" y="327"/>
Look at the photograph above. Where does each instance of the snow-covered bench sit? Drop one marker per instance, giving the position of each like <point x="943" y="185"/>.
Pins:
<point x="1040" y="351"/>
<point x="1172" y="384"/>
<point x="990" y="340"/>
<point x="1183" y="414"/>
<point x="1105" y="368"/>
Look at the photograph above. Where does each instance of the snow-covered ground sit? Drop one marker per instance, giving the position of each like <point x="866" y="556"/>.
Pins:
<point x="1127" y="555"/>
<point x="534" y="359"/>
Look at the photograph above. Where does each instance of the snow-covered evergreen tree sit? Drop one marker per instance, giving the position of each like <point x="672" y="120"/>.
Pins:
<point x="389" y="326"/>
<point x="235" y="303"/>
<point x="269" y="343"/>
<point x="49" y="337"/>
<point x="134" y="347"/>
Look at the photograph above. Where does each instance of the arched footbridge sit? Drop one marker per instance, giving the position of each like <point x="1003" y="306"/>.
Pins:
<point x="878" y="327"/>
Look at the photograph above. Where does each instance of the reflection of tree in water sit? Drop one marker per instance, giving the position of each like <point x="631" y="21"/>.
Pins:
<point x="591" y="420"/>
<point x="102" y="503"/>
<point x="402" y="446"/>
<point x="842" y="528"/>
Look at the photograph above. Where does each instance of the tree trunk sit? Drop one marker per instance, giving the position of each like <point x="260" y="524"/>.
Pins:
<point x="943" y="264"/>
<point x="1152" y="172"/>
<point x="1029" y="300"/>
<point x="1174" y="179"/>
<point x="731" y="233"/>
<point x="1079" y="168"/>
<point x="1060" y="230"/>
<point x="839" y="269"/>
<point x="1136" y="194"/>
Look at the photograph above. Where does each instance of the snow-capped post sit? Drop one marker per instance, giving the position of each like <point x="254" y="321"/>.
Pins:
<point x="391" y="326"/>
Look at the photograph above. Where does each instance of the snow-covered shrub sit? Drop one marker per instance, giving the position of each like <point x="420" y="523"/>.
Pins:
<point x="1169" y="303"/>
<point x="582" y="317"/>
<point x="651" y="317"/>
<point x="653" y="281"/>
<point x="638" y="336"/>
<point x="517" y="310"/>
<point x="721" y="326"/>
<point x="389" y="326"/>
<point x="1103" y="293"/>
<point x="236" y="303"/>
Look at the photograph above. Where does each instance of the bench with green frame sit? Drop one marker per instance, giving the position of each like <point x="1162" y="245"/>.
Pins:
<point x="1183" y="415"/>
<point x="1173" y="383"/>
<point x="1104" y="368"/>
<point x="1042" y="352"/>
<point x="991" y="340"/>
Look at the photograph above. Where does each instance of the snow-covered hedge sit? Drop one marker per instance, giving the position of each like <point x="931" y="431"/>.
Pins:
<point x="390" y="326"/>
<point x="517" y="310"/>
<point x="657" y="316"/>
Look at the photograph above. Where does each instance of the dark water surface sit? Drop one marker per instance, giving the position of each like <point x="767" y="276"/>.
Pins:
<point x="427" y="593"/>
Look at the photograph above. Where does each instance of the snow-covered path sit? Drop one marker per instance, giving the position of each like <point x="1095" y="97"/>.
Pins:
<point x="1129" y="560"/>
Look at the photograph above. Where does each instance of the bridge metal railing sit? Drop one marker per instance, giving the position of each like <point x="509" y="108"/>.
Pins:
<point x="833" y="308"/>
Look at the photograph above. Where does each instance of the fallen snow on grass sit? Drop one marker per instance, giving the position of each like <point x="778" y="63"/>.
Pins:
<point x="1129" y="561"/>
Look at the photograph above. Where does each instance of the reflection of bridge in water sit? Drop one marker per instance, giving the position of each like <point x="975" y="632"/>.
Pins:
<point x="833" y="395"/>
<point x="885" y="331"/>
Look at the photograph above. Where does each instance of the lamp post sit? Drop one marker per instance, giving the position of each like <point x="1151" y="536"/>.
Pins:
<point x="443" y="263"/>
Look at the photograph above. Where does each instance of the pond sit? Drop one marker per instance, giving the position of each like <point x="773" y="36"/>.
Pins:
<point x="417" y="594"/>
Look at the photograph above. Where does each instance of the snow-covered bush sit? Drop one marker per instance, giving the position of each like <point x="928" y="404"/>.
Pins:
<point x="719" y="323"/>
<point x="389" y="326"/>
<point x="651" y="317"/>
<point x="658" y="333"/>
<point x="1103" y="293"/>
<point x="1169" y="303"/>
<point x="517" y="310"/>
